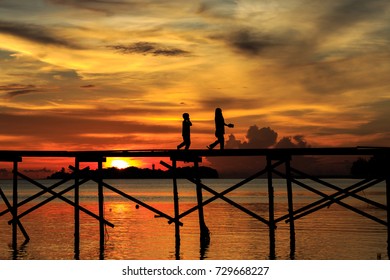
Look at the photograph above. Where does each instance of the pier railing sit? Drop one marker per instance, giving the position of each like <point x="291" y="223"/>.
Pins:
<point x="278" y="162"/>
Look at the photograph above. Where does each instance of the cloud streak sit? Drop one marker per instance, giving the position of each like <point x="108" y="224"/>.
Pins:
<point x="148" y="48"/>
<point x="35" y="33"/>
<point x="36" y="129"/>
<point x="14" y="90"/>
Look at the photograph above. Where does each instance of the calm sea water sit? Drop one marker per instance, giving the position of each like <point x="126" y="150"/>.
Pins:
<point x="333" y="233"/>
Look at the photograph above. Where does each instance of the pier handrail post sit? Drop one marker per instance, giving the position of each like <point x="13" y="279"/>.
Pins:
<point x="271" y="210"/>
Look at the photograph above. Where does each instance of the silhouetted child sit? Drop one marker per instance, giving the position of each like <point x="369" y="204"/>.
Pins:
<point x="186" y="132"/>
<point x="219" y="130"/>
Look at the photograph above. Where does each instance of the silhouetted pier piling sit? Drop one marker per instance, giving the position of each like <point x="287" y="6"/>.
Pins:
<point x="274" y="160"/>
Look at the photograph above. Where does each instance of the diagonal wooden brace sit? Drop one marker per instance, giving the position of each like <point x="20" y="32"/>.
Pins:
<point x="27" y="238"/>
<point x="40" y="193"/>
<point x="129" y="197"/>
<point x="332" y="200"/>
<point x="220" y="196"/>
<point x="59" y="196"/>
<point x="324" y="202"/>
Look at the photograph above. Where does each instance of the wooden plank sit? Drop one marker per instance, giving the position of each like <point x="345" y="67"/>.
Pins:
<point x="358" y="151"/>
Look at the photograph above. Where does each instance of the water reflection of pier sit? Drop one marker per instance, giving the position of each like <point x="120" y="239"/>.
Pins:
<point x="278" y="162"/>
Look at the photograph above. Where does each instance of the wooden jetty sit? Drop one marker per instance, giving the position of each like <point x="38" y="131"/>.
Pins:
<point x="278" y="162"/>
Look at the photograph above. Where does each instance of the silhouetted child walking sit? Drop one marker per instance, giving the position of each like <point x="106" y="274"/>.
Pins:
<point x="186" y="132"/>
<point x="219" y="130"/>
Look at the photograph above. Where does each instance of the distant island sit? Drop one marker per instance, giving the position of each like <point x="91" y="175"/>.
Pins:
<point x="376" y="166"/>
<point x="141" y="173"/>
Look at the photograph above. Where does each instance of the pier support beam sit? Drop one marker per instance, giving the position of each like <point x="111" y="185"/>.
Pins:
<point x="271" y="210"/>
<point x="388" y="213"/>
<point x="77" y="210"/>
<point x="204" y="231"/>
<point x="101" y="209"/>
<point x="14" y="210"/>
<point x="176" y="210"/>
<point x="15" y="206"/>
<point x="290" y="208"/>
<point x="99" y="160"/>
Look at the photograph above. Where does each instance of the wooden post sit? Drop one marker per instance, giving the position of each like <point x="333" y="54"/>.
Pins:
<point x="204" y="231"/>
<point x="290" y="208"/>
<point x="101" y="208"/>
<point x="388" y="213"/>
<point x="76" y="210"/>
<point x="176" y="210"/>
<point x="271" y="210"/>
<point x="15" y="206"/>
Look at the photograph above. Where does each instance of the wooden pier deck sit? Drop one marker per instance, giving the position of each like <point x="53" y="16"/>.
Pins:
<point x="278" y="162"/>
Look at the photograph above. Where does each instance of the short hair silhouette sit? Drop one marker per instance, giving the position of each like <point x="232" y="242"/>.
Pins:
<point x="185" y="132"/>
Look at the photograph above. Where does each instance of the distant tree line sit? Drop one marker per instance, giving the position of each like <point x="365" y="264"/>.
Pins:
<point x="140" y="173"/>
<point x="376" y="166"/>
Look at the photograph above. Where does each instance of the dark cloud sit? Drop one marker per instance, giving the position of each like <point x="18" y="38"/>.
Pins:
<point x="147" y="48"/>
<point x="348" y="13"/>
<point x="21" y="92"/>
<point x="13" y="90"/>
<point x="248" y="41"/>
<point x="259" y="138"/>
<point x="265" y="137"/>
<point x="288" y="142"/>
<point x="35" y="33"/>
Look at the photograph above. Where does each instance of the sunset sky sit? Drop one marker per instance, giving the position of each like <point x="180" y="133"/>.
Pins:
<point x="118" y="74"/>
